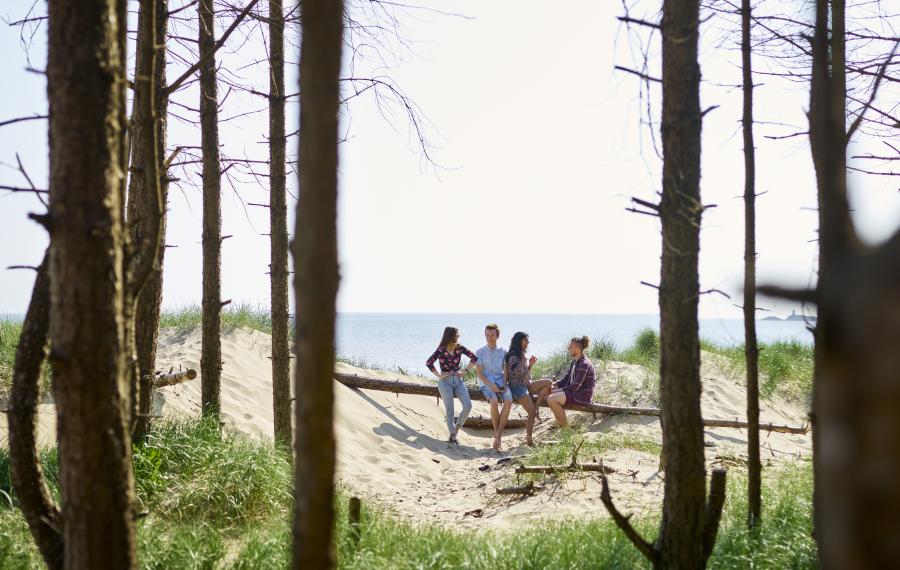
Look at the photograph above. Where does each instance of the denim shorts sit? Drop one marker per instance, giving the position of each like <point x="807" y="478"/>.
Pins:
<point x="491" y="395"/>
<point x="518" y="391"/>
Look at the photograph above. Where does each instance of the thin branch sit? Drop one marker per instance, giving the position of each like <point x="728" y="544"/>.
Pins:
<point x="21" y="119"/>
<point x="623" y="522"/>
<point x="643" y="76"/>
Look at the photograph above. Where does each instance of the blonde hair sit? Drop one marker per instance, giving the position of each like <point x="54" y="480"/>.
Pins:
<point x="492" y="327"/>
<point x="584" y="342"/>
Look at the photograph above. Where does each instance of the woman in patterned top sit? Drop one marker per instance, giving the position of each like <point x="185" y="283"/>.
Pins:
<point x="518" y="375"/>
<point x="577" y="386"/>
<point x="450" y="382"/>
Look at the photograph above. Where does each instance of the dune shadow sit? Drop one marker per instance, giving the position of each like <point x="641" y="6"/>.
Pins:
<point x="725" y="437"/>
<point x="400" y="431"/>
<point x="606" y="423"/>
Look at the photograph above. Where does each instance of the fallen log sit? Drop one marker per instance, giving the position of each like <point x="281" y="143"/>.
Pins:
<point x="592" y="467"/>
<point x="398" y="387"/>
<point x="526" y="489"/>
<point x="172" y="378"/>
<point x="481" y="422"/>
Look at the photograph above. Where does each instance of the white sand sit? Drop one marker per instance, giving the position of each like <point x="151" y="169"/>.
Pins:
<point x="391" y="448"/>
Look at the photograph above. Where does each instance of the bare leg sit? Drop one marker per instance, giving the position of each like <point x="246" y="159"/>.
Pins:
<point x="495" y="415"/>
<point x="501" y="423"/>
<point x="556" y="401"/>
<point x="542" y="389"/>
<point x="527" y="403"/>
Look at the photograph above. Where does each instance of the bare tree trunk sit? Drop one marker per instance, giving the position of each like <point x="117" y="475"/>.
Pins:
<point x="281" y="357"/>
<point x="857" y="377"/>
<point x="751" y="350"/>
<point x="147" y="197"/>
<point x="316" y="283"/>
<point x="679" y="543"/>
<point x="32" y="494"/>
<point x="826" y="137"/>
<point x="86" y="81"/>
<point x="211" y="352"/>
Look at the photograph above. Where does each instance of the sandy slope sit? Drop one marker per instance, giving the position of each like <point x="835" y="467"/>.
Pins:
<point x="392" y="448"/>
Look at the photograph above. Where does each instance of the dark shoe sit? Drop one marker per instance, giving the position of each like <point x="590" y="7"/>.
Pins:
<point x="453" y="440"/>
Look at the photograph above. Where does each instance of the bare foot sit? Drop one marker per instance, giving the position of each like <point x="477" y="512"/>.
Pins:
<point x="496" y="443"/>
<point x="529" y="442"/>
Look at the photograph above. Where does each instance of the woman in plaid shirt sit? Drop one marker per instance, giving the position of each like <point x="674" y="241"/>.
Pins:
<point x="450" y="382"/>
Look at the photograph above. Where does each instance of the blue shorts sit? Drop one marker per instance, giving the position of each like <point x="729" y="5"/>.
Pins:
<point x="489" y="394"/>
<point x="518" y="391"/>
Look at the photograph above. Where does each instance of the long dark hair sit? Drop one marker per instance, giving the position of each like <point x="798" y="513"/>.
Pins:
<point x="449" y="336"/>
<point x="515" y="345"/>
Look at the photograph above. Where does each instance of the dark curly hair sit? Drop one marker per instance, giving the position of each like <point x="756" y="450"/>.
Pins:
<point x="515" y="345"/>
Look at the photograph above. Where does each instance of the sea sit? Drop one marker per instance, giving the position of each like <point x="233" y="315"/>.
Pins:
<point x="403" y="340"/>
<point x="406" y="340"/>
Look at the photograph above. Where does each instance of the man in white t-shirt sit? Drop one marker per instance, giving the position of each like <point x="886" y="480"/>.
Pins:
<point x="492" y="375"/>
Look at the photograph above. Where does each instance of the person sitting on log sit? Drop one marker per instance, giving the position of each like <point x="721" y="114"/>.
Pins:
<point x="577" y="386"/>
<point x="450" y="382"/>
<point x="520" y="384"/>
<point x="491" y="372"/>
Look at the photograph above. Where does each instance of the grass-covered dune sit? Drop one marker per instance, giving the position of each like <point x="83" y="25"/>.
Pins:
<point x="225" y="502"/>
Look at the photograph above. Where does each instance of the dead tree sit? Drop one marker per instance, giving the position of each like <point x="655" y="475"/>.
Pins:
<point x="751" y="350"/>
<point x="278" y="267"/>
<point x="211" y="351"/>
<point x="147" y="198"/>
<point x="316" y="283"/>
<point x="86" y="91"/>
<point x="856" y="391"/>
<point x="689" y="524"/>
<point x="34" y="499"/>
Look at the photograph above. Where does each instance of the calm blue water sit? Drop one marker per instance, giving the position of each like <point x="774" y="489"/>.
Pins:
<point x="406" y="340"/>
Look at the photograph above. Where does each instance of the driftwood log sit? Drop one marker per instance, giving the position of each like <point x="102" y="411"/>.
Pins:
<point x="526" y="489"/>
<point x="481" y="422"/>
<point x="172" y="378"/>
<point x="398" y="387"/>
<point x="572" y="467"/>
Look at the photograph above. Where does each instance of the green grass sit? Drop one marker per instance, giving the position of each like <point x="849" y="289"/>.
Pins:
<point x="225" y="503"/>
<point x="786" y="367"/>
<point x="234" y="316"/>
<point x="558" y="448"/>
<point x="9" y="340"/>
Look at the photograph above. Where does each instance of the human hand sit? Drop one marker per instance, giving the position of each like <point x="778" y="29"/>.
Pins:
<point x="443" y="375"/>
<point x="531" y="361"/>
<point x="495" y="389"/>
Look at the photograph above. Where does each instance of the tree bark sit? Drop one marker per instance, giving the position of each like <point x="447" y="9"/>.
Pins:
<point x="856" y="391"/>
<point x="147" y="198"/>
<point x="751" y="350"/>
<point x="680" y="542"/>
<point x="828" y="148"/>
<point x="316" y="283"/>
<point x="85" y="84"/>
<point x="281" y="357"/>
<point x="32" y="494"/>
<point x="211" y="343"/>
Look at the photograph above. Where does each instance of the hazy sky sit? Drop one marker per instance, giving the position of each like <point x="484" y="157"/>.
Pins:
<point x="538" y="145"/>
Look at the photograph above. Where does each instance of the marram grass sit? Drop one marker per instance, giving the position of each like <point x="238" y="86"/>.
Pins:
<point x="226" y="503"/>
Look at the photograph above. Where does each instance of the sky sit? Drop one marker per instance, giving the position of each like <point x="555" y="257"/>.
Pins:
<point x="535" y="146"/>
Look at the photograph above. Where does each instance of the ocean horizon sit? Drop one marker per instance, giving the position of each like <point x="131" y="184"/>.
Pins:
<point x="406" y="340"/>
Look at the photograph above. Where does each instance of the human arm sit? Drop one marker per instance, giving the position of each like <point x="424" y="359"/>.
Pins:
<point x="430" y="364"/>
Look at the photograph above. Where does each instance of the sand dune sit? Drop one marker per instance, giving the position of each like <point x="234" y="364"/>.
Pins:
<point x="392" y="449"/>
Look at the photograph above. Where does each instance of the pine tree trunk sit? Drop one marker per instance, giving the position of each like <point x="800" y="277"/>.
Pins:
<point x="316" y="283"/>
<point x="146" y="210"/>
<point x="211" y="354"/>
<point x="751" y="350"/>
<point x="33" y="496"/>
<point x="826" y="137"/>
<point x="85" y="84"/>
<point x="856" y="400"/>
<point x="679" y="543"/>
<point x="281" y="358"/>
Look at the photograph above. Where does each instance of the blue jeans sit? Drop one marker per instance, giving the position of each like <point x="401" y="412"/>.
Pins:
<point x="518" y="391"/>
<point x="450" y="387"/>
